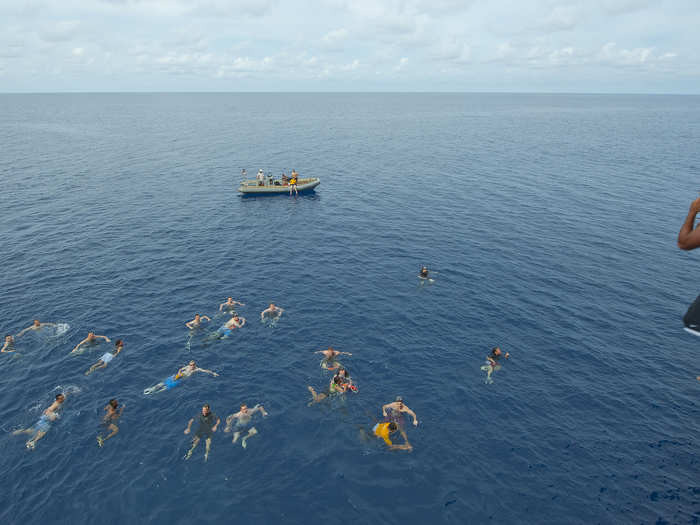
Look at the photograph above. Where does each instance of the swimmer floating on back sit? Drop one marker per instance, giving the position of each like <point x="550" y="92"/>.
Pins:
<point x="197" y="321"/>
<point x="492" y="363"/>
<point x="244" y="416"/>
<point x="106" y="358"/>
<point x="396" y="408"/>
<point x="174" y="380"/>
<point x="36" y="325"/>
<point x="9" y="345"/>
<point x="329" y="360"/>
<point x="273" y="313"/>
<point x="109" y="420"/>
<point x="229" y="326"/>
<point x="206" y="428"/>
<point x="91" y="339"/>
<point x="41" y="427"/>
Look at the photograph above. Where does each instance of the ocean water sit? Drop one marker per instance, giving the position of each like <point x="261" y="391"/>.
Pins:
<point x="550" y="219"/>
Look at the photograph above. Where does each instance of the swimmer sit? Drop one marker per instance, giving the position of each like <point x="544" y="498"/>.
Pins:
<point x="244" y="416"/>
<point x="336" y="387"/>
<point x="206" y="428"/>
<point x="329" y="361"/>
<point x="344" y="376"/>
<point x="384" y="430"/>
<point x="9" y="345"/>
<point x="174" y="380"/>
<point x="197" y="321"/>
<point x="689" y="235"/>
<point x="228" y="328"/>
<point x="397" y="407"/>
<point x="91" y="339"/>
<point x="42" y="426"/>
<point x="492" y="362"/>
<point x="36" y="325"/>
<point x="107" y="357"/>
<point x="109" y="420"/>
<point x="230" y="304"/>
<point x="423" y="272"/>
<point x="272" y="312"/>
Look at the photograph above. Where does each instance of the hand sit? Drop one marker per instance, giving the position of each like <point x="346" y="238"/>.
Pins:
<point x="415" y="422"/>
<point x="384" y="413"/>
<point x="507" y="355"/>
<point x="215" y="374"/>
<point x="695" y="206"/>
<point x="213" y="429"/>
<point x="187" y="431"/>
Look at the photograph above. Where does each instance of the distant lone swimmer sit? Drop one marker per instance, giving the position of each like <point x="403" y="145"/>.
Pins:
<point x="175" y="380"/>
<point x="42" y="426"/>
<point x="689" y="236"/>
<point x="271" y="312"/>
<point x="36" y="325"/>
<point x="91" y="339"/>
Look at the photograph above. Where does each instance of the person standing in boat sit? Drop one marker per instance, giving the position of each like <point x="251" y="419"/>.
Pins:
<point x="293" y="182"/>
<point x="260" y="178"/>
<point x="689" y="239"/>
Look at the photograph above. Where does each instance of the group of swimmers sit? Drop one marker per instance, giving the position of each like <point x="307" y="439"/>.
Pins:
<point x="207" y="421"/>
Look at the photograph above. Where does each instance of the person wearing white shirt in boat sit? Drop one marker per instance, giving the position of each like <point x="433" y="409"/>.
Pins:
<point x="260" y="178"/>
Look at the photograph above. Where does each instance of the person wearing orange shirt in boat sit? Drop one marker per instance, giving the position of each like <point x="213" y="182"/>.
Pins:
<point x="293" y="182"/>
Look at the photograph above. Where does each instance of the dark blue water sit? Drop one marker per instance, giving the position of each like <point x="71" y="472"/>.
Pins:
<point x="550" y="219"/>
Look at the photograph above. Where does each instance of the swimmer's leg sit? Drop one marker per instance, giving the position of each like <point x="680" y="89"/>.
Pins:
<point x="208" y="446"/>
<point x="316" y="397"/>
<point x="236" y="435"/>
<point x="155" y="389"/>
<point x="32" y="442"/>
<point x="114" y="428"/>
<point x="251" y="433"/>
<point x="23" y="431"/>
<point x="195" y="442"/>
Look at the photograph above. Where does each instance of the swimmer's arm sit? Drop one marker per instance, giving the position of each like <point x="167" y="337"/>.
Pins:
<point x="189" y="425"/>
<point x="221" y="306"/>
<point x="22" y="332"/>
<point x="689" y="237"/>
<point x="216" y="425"/>
<point x="207" y="371"/>
<point x="238" y="303"/>
<point x="103" y="337"/>
<point x="205" y="317"/>
<point x="262" y="314"/>
<point x="344" y="353"/>
<point x="188" y="324"/>
<point x="258" y="408"/>
<point x="384" y="407"/>
<point x="412" y="414"/>
<point x="230" y="419"/>
<point x="242" y="322"/>
<point x="81" y="343"/>
<point x="47" y="324"/>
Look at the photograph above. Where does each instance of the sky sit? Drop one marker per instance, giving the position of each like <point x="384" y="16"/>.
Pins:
<point x="592" y="46"/>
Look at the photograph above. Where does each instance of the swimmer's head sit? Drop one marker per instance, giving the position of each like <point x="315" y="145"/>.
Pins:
<point x="272" y="305"/>
<point x="393" y="427"/>
<point x="91" y="336"/>
<point x="244" y="408"/>
<point x="60" y="398"/>
<point x="205" y="409"/>
<point x="230" y="299"/>
<point x="9" y="338"/>
<point x="196" y="317"/>
<point x="191" y="364"/>
<point x="496" y="350"/>
<point x="36" y="322"/>
<point x="113" y="403"/>
<point x="119" y="343"/>
<point x="336" y="380"/>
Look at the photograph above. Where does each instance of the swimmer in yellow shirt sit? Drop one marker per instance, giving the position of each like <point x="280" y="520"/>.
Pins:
<point x="384" y="430"/>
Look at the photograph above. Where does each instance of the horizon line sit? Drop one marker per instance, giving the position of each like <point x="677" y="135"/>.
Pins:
<point x="204" y="92"/>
